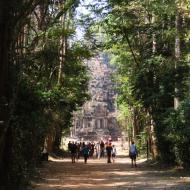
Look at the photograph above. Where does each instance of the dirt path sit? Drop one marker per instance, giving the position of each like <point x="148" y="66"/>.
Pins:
<point x="98" y="175"/>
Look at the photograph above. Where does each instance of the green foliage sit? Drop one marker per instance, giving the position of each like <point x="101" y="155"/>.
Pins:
<point x="177" y="130"/>
<point x="39" y="106"/>
<point x="142" y="143"/>
<point x="141" y="38"/>
<point x="29" y="124"/>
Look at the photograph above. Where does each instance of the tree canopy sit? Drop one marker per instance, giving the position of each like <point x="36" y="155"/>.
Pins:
<point x="148" y="43"/>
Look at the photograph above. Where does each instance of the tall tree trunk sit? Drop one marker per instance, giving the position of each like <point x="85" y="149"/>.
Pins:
<point x="135" y="123"/>
<point x="177" y="53"/>
<point x="152" y="136"/>
<point x="153" y="37"/>
<point x="153" y="147"/>
<point x="62" y="51"/>
<point x="5" y="43"/>
<point x="62" y="54"/>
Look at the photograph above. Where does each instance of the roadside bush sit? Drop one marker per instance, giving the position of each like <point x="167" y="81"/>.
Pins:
<point x="178" y="133"/>
<point x="29" y="126"/>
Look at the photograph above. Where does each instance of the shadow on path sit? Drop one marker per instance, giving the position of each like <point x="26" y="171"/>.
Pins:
<point x="98" y="175"/>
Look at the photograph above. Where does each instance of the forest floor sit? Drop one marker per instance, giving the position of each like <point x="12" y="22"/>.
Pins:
<point x="61" y="174"/>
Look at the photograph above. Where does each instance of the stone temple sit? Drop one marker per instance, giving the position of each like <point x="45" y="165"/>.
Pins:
<point x="97" y="118"/>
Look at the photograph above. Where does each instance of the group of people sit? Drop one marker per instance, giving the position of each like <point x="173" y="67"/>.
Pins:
<point x="91" y="149"/>
<point x="100" y="149"/>
<point x="80" y="149"/>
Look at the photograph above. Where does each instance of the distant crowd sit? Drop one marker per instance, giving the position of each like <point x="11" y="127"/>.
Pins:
<point x="97" y="150"/>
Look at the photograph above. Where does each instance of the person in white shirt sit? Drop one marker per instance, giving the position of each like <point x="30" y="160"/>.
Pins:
<point x="114" y="152"/>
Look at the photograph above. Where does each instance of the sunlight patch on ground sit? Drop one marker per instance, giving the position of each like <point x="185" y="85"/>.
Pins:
<point x="124" y="160"/>
<point x="49" y="179"/>
<point x="128" y="173"/>
<point x="98" y="175"/>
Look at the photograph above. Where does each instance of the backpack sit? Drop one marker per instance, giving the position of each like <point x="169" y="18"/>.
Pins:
<point x="133" y="150"/>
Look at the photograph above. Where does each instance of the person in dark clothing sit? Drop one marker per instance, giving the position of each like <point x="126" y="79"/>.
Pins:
<point x="73" y="150"/>
<point x="85" y="151"/>
<point x="92" y="149"/>
<point x="69" y="146"/>
<point x="102" y="145"/>
<point x="109" y="151"/>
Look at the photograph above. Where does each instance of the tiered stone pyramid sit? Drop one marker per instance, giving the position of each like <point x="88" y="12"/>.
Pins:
<point x="97" y="118"/>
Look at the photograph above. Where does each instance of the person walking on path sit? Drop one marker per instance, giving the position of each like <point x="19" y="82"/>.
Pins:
<point x="98" y="151"/>
<point x="133" y="154"/>
<point x="73" y="150"/>
<point x="85" y="152"/>
<point x="102" y="146"/>
<point x="114" y="152"/>
<point x="109" y="152"/>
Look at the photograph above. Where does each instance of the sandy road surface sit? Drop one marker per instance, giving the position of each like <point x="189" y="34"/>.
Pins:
<point x="98" y="175"/>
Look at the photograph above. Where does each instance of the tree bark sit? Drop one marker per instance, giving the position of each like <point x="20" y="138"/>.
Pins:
<point x="62" y="52"/>
<point x="5" y="43"/>
<point x="177" y="53"/>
